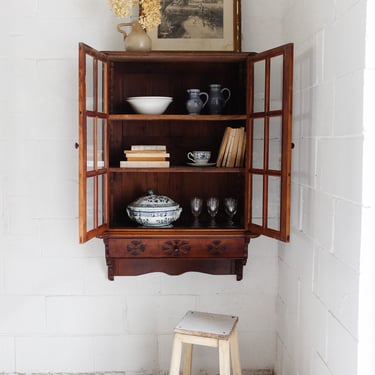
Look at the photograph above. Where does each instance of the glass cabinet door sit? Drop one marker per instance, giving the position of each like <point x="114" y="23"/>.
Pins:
<point x="93" y="164"/>
<point x="270" y="128"/>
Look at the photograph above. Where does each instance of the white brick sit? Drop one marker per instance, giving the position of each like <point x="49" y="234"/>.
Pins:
<point x="343" y="6"/>
<point x="157" y="314"/>
<point x="280" y="349"/>
<point x="339" y="167"/>
<point x="190" y="282"/>
<point x="318" y="366"/>
<point x="308" y="68"/>
<point x="21" y="221"/>
<point x="348" y="118"/>
<point x="370" y="38"/>
<point x="286" y="281"/>
<point x="69" y="9"/>
<point x="304" y="19"/>
<point x="48" y="201"/>
<point x="264" y="31"/>
<point x="322" y="109"/>
<point x="54" y="354"/>
<point x="2" y="273"/>
<point x="296" y="206"/>
<point x="164" y="351"/>
<point x="317" y="216"/>
<point x="304" y="159"/>
<point x="300" y="261"/>
<point x="22" y="315"/>
<point x="130" y="353"/>
<point x="7" y="357"/>
<point x="253" y="347"/>
<point x="68" y="246"/>
<point x="317" y="14"/>
<point x="337" y="286"/>
<point x="96" y="280"/>
<point x="85" y="315"/>
<point x="319" y="326"/>
<point x="347" y="34"/>
<point x="259" y="316"/>
<point x="347" y="215"/>
<point x="282" y="323"/>
<point x="18" y="70"/>
<point x="54" y="149"/>
<point x="341" y="345"/>
<point x="261" y="277"/>
<point x="43" y="276"/>
<point x="15" y="244"/>
<point x="21" y="8"/>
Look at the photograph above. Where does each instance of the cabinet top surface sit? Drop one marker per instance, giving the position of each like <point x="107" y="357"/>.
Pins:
<point x="178" y="56"/>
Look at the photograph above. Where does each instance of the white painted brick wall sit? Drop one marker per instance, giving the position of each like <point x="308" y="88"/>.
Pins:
<point x="58" y="311"/>
<point x="319" y="271"/>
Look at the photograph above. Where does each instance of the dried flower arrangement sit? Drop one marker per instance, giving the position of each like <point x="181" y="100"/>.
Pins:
<point x="149" y="17"/>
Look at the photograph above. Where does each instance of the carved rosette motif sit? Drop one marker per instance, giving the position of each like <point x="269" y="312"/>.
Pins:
<point x="216" y="248"/>
<point x="176" y="248"/>
<point x="135" y="247"/>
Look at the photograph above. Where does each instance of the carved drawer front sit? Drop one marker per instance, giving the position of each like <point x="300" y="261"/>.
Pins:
<point x="175" y="248"/>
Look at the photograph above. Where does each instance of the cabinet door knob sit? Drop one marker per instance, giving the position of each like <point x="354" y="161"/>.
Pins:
<point x="176" y="249"/>
<point x="76" y="145"/>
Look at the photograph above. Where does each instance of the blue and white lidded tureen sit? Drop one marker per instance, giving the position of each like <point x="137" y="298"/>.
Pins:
<point x="154" y="210"/>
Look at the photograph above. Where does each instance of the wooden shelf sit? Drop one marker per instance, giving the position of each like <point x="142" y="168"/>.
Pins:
<point x="179" y="170"/>
<point x="175" y="117"/>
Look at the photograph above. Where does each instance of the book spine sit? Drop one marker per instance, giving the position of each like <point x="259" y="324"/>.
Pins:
<point x="219" y="161"/>
<point x="145" y="158"/>
<point x="148" y="147"/>
<point x="148" y="154"/>
<point x="144" y="164"/>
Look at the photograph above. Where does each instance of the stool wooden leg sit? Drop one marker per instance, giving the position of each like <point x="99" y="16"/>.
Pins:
<point x="234" y="352"/>
<point x="176" y="356"/>
<point x="188" y="358"/>
<point x="224" y="357"/>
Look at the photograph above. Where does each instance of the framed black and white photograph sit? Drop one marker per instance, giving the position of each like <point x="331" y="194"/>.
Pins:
<point x="198" y="25"/>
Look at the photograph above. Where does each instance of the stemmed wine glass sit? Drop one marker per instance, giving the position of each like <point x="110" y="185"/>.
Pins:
<point x="196" y="208"/>
<point x="230" y="205"/>
<point x="212" y="208"/>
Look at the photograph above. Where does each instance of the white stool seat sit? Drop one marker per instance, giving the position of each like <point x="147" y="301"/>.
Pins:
<point x="206" y="329"/>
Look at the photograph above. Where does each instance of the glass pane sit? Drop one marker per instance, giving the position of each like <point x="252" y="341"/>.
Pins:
<point x="259" y="86"/>
<point x="101" y="200"/>
<point x="257" y="199"/>
<point x="275" y="134"/>
<point x="89" y="83"/>
<point x="274" y="194"/>
<point x="90" y="203"/>
<point x="258" y="143"/>
<point x="100" y="143"/>
<point x="90" y="143"/>
<point x="100" y="86"/>
<point x="276" y="88"/>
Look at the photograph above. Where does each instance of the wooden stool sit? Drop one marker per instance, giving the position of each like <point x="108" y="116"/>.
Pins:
<point x="214" y="330"/>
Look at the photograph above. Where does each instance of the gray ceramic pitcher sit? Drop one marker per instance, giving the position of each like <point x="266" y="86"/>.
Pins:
<point x="217" y="98"/>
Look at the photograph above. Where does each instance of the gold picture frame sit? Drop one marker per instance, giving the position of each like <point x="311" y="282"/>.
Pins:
<point x="198" y="25"/>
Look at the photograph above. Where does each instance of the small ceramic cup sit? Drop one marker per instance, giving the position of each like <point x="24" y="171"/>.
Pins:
<point x="200" y="157"/>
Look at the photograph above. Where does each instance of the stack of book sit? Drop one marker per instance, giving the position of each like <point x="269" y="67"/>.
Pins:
<point x="146" y="156"/>
<point x="232" y="148"/>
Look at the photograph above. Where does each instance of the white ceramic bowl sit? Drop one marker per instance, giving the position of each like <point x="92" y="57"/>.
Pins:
<point x="150" y="105"/>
